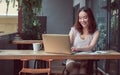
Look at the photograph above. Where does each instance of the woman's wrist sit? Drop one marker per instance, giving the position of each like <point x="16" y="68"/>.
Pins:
<point x="75" y="49"/>
<point x="78" y="49"/>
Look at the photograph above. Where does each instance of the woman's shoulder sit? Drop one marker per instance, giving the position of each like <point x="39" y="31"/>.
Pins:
<point x="73" y="28"/>
<point x="97" y="32"/>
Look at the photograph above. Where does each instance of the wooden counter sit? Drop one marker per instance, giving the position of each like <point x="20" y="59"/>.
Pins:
<point x="26" y="41"/>
<point x="30" y="54"/>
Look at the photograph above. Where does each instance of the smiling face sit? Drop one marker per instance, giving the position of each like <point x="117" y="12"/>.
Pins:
<point x="83" y="19"/>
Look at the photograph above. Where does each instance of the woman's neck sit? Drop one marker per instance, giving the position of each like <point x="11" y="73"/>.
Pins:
<point x="85" y="31"/>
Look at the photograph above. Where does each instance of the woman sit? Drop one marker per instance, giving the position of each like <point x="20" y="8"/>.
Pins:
<point x="83" y="36"/>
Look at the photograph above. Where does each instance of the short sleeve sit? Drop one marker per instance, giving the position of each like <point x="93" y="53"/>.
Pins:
<point x="72" y="31"/>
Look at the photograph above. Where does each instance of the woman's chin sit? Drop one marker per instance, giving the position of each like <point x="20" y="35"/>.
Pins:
<point x="84" y="26"/>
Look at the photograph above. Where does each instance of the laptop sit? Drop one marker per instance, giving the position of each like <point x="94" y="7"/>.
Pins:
<point x="57" y="43"/>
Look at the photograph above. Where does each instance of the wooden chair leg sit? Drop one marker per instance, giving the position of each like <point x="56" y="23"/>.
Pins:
<point x="19" y="73"/>
<point x="48" y="73"/>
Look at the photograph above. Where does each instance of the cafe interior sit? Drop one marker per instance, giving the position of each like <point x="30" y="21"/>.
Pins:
<point x="26" y="21"/>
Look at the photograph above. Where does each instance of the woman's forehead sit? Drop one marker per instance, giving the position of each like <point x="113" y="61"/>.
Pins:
<point x="82" y="14"/>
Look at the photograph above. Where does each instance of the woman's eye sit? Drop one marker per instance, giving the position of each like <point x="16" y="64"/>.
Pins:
<point x="85" y="17"/>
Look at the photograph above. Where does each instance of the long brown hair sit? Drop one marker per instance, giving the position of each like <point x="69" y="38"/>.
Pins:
<point x="92" y="23"/>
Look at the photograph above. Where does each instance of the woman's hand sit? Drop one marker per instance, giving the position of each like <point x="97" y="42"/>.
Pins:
<point x="74" y="49"/>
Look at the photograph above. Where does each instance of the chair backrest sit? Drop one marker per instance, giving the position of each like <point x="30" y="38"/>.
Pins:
<point x="35" y="70"/>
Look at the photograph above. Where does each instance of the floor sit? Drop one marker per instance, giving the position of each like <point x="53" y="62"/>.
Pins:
<point x="57" y="68"/>
<point x="58" y="71"/>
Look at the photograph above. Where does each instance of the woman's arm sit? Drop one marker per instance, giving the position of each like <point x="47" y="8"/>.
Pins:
<point x="71" y="34"/>
<point x="92" y="44"/>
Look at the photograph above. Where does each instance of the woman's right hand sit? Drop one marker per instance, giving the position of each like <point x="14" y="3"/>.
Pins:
<point x="74" y="49"/>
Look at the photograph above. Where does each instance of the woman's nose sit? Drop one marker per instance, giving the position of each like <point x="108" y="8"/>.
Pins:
<point x="82" y="20"/>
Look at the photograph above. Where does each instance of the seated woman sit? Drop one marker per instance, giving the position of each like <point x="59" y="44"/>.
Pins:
<point x="83" y="37"/>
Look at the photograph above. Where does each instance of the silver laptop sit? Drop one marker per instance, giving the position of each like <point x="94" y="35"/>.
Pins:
<point x="57" y="43"/>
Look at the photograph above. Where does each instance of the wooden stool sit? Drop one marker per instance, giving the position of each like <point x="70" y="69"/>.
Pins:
<point x="35" y="70"/>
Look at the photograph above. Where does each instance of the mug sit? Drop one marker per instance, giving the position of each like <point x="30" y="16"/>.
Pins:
<point x="37" y="46"/>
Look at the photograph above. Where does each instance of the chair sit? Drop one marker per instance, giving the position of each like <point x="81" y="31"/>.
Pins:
<point x="91" y="64"/>
<point x="34" y="70"/>
<point x="64" y="70"/>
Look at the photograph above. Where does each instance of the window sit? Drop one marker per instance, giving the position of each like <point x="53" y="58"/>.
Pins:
<point x="12" y="8"/>
<point x="9" y="20"/>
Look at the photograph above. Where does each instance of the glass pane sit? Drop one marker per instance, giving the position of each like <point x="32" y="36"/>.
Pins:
<point x="99" y="8"/>
<point x="100" y="13"/>
<point x="114" y="25"/>
<point x="12" y="9"/>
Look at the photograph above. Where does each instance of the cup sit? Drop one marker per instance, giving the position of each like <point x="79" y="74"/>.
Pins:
<point x="37" y="46"/>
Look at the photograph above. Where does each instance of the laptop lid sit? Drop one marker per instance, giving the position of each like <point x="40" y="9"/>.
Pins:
<point x="57" y="43"/>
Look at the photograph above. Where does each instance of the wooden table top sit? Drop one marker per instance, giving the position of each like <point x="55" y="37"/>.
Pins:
<point x="26" y="41"/>
<point x="30" y="54"/>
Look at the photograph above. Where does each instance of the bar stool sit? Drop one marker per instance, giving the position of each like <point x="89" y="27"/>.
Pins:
<point x="26" y="70"/>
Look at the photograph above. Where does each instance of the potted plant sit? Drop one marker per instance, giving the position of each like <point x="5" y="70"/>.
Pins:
<point x="31" y="26"/>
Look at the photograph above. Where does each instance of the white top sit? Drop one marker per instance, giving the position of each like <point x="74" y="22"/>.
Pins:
<point x="79" y="42"/>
